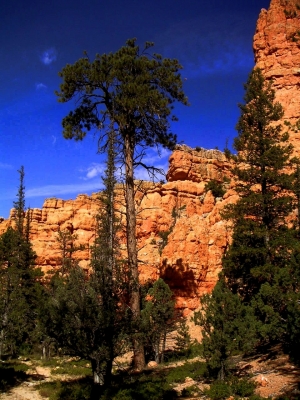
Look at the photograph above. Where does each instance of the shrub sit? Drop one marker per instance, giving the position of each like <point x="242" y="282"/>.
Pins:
<point x="195" y="370"/>
<point x="239" y="388"/>
<point x="219" y="390"/>
<point x="215" y="187"/>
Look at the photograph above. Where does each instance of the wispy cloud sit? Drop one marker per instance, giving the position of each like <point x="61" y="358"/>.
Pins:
<point x="5" y="166"/>
<point x="152" y="157"/>
<point x="93" y="171"/>
<point x="48" y="56"/>
<point x="57" y="190"/>
<point x="40" y="86"/>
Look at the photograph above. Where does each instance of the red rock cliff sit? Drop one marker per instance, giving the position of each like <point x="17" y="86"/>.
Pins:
<point x="276" y="47"/>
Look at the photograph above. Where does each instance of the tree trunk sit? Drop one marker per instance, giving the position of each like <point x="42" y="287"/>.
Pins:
<point x="163" y="347"/>
<point x="97" y="374"/>
<point x="2" y="332"/>
<point x="138" y="349"/>
<point x="156" y="351"/>
<point x="221" y="374"/>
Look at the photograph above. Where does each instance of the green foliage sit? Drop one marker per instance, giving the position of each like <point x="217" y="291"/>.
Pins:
<point x="20" y="289"/>
<point x="219" y="390"/>
<point x="157" y="317"/>
<point x="67" y="248"/>
<point x="76" y="390"/>
<point x="257" y="265"/>
<point x="215" y="187"/>
<point x="128" y="88"/>
<point x="228" y="327"/>
<point x="88" y="315"/>
<point x="183" y="339"/>
<point x="164" y="235"/>
<point x="239" y="388"/>
<point x="195" y="370"/>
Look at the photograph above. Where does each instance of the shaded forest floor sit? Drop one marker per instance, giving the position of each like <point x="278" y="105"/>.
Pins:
<point x="70" y="378"/>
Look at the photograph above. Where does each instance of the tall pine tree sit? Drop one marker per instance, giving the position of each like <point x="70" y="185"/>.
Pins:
<point x="257" y="265"/>
<point x="134" y="92"/>
<point x="255" y="299"/>
<point x="19" y="281"/>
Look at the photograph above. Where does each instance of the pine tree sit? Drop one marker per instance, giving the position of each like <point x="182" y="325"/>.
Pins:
<point x="183" y="340"/>
<point x="158" y="317"/>
<point x="227" y="325"/>
<point x="257" y="265"/>
<point x="133" y="93"/>
<point x="88" y="315"/>
<point x="19" y="281"/>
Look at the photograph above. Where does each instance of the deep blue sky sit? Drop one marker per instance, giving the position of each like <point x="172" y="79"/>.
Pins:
<point x="211" y="38"/>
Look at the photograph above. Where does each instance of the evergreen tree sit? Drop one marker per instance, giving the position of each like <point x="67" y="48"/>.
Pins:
<point x="133" y="93"/>
<point x="183" y="338"/>
<point x="19" y="281"/>
<point x="88" y="315"/>
<point x="257" y="265"/>
<point x="158" y="317"/>
<point x="228" y="326"/>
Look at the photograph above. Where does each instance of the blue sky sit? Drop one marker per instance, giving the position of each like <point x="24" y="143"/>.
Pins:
<point x="212" y="39"/>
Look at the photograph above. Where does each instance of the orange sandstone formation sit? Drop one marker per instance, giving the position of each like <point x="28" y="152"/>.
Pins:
<point x="276" y="47"/>
<point x="189" y="258"/>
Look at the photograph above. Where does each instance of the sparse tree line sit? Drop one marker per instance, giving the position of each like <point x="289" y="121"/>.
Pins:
<point x="128" y="96"/>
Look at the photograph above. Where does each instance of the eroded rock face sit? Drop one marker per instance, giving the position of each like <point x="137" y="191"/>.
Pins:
<point x="276" y="47"/>
<point x="179" y="229"/>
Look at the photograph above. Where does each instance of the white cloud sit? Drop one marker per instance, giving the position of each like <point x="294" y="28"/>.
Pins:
<point x="40" y="86"/>
<point x="57" y="190"/>
<point x="93" y="171"/>
<point x="48" y="56"/>
<point x="153" y="157"/>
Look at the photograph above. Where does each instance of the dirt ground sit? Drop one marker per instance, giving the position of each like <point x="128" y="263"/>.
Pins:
<point x="275" y="375"/>
<point x="27" y="390"/>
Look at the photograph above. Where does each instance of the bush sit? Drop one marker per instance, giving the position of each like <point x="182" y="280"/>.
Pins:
<point x="239" y="388"/>
<point x="219" y="390"/>
<point x="195" y="370"/>
<point x="243" y="387"/>
<point x="215" y="187"/>
<point x="76" y="390"/>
